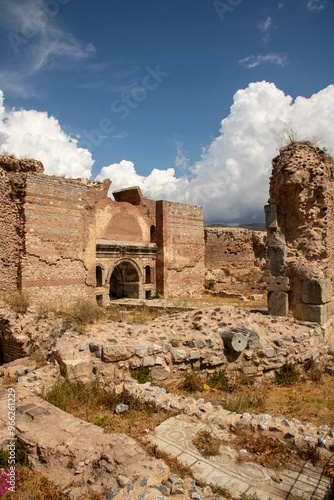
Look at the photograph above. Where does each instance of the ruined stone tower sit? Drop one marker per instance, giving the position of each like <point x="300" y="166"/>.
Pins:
<point x="299" y="221"/>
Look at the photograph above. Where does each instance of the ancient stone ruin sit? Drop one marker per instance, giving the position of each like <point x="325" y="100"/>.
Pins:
<point x="299" y="221"/>
<point x="64" y="238"/>
<point x="234" y="260"/>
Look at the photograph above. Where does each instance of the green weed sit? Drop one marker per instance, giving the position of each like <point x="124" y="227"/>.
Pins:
<point x="142" y="374"/>
<point x="287" y="375"/>
<point x="192" y="382"/>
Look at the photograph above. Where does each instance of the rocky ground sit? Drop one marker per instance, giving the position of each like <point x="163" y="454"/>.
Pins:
<point x="169" y="345"/>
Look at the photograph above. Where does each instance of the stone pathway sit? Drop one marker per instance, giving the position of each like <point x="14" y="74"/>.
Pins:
<point x="82" y="459"/>
<point x="175" y="435"/>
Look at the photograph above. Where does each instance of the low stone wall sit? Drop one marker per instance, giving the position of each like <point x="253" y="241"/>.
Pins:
<point x="234" y="259"/>
<point x="23" y="335"/>
<point x="171" y="345"/>
<point x="222" y="338"/>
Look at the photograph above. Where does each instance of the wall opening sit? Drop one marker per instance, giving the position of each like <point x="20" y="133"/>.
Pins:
<point x="99" y="299"/>
<point x="153" y="234"/>
<point x="98" y="276"/>
<point x="124" y="281"/>
<point x="148" y="275"/>
<point x="148" y="294"/>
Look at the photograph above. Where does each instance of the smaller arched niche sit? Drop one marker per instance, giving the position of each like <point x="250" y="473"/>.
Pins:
<point x="99" y="276"/>
<point x="153" y="236"/>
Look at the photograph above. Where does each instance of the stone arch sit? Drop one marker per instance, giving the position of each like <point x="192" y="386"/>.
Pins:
<point x="124" y="279"/>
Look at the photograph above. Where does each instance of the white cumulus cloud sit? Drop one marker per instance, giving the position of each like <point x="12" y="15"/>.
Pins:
<point x="231" y="180"/>
<point x="33" y="134"/>
<point x="159" y="184"/>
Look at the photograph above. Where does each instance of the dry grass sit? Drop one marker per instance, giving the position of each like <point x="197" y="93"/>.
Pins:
<point x="19" y="301"/>
<point x="84" y="312"/>
<point x="308" y="401"/>
<point x="270" y="451"/>
<point x="175" y="466"/>
<point x="207" y="444"/>
<point x="97" y="406"/>
<point x="33" y="486"/>
<point x="311" y="401"/>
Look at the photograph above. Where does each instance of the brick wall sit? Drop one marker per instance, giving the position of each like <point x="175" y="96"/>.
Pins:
<point x="59" y="260"/>
<point x="11" y="228"/>
<point x="234" y="258"/>
<point x="129" y="218"/>
<point x="180" y="254"/>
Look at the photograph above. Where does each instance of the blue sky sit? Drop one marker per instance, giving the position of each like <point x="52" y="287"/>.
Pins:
<point x="187" y="98"/>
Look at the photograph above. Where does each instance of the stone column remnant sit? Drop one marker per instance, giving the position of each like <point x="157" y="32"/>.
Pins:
<point x="300" y="233"/>
<point x="277" y="282"/>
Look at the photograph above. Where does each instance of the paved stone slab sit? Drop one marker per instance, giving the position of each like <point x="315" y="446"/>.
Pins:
<point x="176" y="434"/>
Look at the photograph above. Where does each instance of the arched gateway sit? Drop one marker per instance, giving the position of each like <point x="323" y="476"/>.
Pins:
<point x="124" y="281"/>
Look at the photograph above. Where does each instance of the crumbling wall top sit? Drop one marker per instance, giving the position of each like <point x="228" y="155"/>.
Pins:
<point x="12" y="164"/>
<point x="299" y="163"/>
<point x="131" y="195"/>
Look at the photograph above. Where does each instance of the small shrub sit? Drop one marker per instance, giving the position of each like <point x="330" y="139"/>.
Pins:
<point x="207" y="444"/>
<point x="219" y="490"/>
<point x="330" y="492"/>
<point x="85" y="312"/>
<point x="19" y="301"/>
<point x="102" y="421"/>
<point x="309" y="453"/>
<point x="192" y="381"/>
<point x="287" y="375"/>
<point x="312" y="370"/>
<point x="175" y="342"/>
<point x="219" y="381"/>
<point x="253" y="496"/>
<point x="142" y="374"/>
<point x="20" y="456"/>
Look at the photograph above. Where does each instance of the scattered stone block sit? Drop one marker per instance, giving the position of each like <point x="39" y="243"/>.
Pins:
<point x="159" y="373"/>
<point x="77" y="368"/>
<point x="317" y="291"/>
<point x="178" y="355"/>
<point x="114" y="353"/>
<point x="141" y="350"/>
<point x="148" y="361"/>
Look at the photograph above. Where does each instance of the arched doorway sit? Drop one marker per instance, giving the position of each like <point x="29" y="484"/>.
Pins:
<point x="124" y="281"/>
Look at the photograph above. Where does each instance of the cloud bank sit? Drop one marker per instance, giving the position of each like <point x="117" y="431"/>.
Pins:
<point x="230" y="180"/>
<point x="33" y="134"/>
